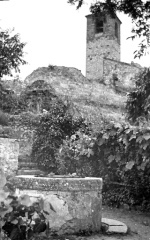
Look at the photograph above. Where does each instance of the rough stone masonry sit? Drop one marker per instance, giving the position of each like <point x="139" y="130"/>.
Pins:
<point x="9" y="151"/>
<point x="103" y="51"/>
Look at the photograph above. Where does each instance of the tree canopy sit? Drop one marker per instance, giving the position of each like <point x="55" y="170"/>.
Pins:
<point x="11" y="52"/>
<point x="138" y="10"/>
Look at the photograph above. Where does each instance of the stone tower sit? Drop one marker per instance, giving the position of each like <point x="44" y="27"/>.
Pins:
<point x="103" y="41"/>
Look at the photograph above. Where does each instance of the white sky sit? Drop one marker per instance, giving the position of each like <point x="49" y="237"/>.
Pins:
<point x="55" y="33"/>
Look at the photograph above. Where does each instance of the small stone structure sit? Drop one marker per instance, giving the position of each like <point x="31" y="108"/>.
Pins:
<point x="103" y="50"/>
<point x="125" y="72"/>
<point x="9" y="151"/>
<point x="74" y="204"/>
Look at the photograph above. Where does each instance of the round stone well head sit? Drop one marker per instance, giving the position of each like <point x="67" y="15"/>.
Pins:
<point x="74" y="204"/>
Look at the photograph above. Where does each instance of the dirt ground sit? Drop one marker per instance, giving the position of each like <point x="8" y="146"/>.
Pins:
<point x="138" y="223"/>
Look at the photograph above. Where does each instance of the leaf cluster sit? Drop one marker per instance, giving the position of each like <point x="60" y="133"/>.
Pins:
<point x="75" y="155"/>
<point x="8" y="100"/>
<point x="119" y="153"/>
<point x="21" y="217"/>
<point x="138" y="101"/>
<point x="54" y="126"/>
<point x="11" y="52"/>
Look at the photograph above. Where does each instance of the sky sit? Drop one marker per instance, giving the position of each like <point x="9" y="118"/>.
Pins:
<point x="55" y="33"/>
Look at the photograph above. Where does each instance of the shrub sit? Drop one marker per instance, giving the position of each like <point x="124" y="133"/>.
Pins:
<point x="20" y="217"/>
<point x="53" y="128"/>
<point x="138" y="102"/>
<point x="125" y="155"/>
<point x="3" y="119"/>
<point x="75" y="155"/>
<point x="8" y="100"/>
<point x="119" y="154"/>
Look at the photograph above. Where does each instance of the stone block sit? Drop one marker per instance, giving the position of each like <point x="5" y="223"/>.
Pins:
<point x="74" y="204"/>
<point x="112" y="226"/>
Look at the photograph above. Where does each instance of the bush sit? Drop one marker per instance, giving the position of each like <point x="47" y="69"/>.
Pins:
<point x="119" y="154"/>
<point x="8" y="100"/>
<point x="75" y="155"/>
<point x="54" y="126"/>
<point x="125" y="155"/>
<point x="21" y="217"/>
<point x="4" y="119"/>
<point x="138" y="102"/>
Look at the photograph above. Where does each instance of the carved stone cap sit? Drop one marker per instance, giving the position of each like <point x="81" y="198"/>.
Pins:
<point x="57" y="184"/>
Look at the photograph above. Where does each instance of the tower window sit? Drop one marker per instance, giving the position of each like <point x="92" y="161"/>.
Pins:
<point x="116" y="30"/>
<point x="99" y="26"/>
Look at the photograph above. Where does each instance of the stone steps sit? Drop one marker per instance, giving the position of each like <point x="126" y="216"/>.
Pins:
<point x="27" y="165"/>
<point x="29" y="172"/>
<point x="25" y="158"/>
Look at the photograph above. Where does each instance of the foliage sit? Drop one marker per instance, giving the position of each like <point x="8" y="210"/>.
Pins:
<point x="3" y="119"/>
<point x="138" y="10"/>
<point x="75" y="155"/>
<point x="8" y="100"/>
<point x="53" y="128"/>
<point x="138" y="102"/>
<point x="21" y="217"/>
<point x="124" y="152"/>
<point x="119" y="154"/>
<point x="27" y="119"/>
<point x="36" y="97"/>
<point x="51" y="67"/>
<point x="11" y="49"/>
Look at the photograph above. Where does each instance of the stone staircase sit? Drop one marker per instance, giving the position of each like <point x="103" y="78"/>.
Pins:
<point x="26" y="167"/>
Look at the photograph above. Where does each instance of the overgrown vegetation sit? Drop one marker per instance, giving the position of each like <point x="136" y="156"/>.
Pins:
<point x="21" y="217"/>
<point x="54" y="126"/>
<point x="11" y="49"/>
<point x="74" y="155"/>
<point x="118" y="153"/>
<point x="138" y="102"/>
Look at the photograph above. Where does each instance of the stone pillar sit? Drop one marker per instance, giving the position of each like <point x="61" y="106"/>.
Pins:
<point x="9" y="151"/>
<point x="74" y="204"/>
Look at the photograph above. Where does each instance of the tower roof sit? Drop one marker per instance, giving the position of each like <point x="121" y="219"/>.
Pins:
<point x="93" y="15"/>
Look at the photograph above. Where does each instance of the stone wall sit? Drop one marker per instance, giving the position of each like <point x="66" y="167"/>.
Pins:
<point x="123" y="71"/>
<point x="100" y="45"/>
<point x="9" y="151"/>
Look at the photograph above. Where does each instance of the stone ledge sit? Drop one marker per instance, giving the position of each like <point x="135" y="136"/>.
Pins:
<point x="57" y="184"/>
